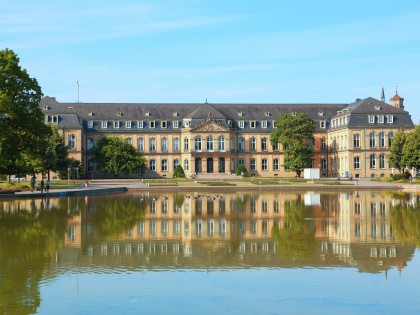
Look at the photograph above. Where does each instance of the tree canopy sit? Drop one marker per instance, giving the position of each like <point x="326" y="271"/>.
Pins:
<point x="21" y="120"/>
<point x="405" y="150"/>
<point x="295" y="133"/>
<point x="115" y="156"/>
<point x="396" y="151"/>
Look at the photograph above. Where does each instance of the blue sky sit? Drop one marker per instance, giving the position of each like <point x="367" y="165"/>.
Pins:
<point x="224" y="51"/>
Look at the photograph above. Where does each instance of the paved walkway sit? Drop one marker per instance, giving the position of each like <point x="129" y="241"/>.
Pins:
<point x="115" y="186"/>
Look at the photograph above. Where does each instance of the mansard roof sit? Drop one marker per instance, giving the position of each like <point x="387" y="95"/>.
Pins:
<point x="372" y="106"/>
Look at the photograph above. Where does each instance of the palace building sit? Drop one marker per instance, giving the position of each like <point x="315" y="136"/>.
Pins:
<point x="209" y="138"/>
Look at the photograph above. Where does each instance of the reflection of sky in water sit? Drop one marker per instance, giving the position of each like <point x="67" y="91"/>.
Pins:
<point x="266" y="253"/>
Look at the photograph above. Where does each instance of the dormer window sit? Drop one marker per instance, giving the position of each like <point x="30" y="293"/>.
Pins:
<point x="90" y="124"/>
<point x="274" y="124"/>
<point x="390" y="119"/>
<point x="240" y="114"/>
<point x="371" y="119"/>
<point x="293" y="114"/>
<point x="252" y="124"/>
<point x="175" y="124"/>
<point x="128" y="124"/>
<point x="377" y="107"/>
<point x="241" y="124"/>
<point x="175" y="114"/>
<point x="322" y="124"/>
<point x="321" y="114"/>
<point x="264" y="124"/>
<point x="140" y="124"/>
<point x="90" y="114"/>
<point x="267" y="114"/>
<point x="164" y="124"/>
<point x="116" y="124"/>
<point x="46" y="108"/>
<point x="380" y="119"/>
<point x="104" y="124"/>
<point x="147" y="114"/>
<point x="55" y="119"/>
<point x="152" y="124"/>
<point x="119" y="114"/>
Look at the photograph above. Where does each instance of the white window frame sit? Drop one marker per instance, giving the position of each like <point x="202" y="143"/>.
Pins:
<point x="104" y="124"/>
<point x="175" y="124"/>
<point x="390" y="119"/>
<point x="381" y="119"/>
<point x="90" y="124"/>
<point x="128" y="124"/>
<point x="371" y="119"/>
<point x="140" y="124"/>
<point x="152" y="124"/>
<point x="322" y="124"/>
<point x="116" y="124"/>
<point x="252" y="124"/>
<point x="164" y="124"/>
<point x="264" y="124"/>
<point x="242" y="124"/>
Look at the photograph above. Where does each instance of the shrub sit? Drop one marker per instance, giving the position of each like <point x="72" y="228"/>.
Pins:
<point x="179" y="172"/>
<point x="241" y="169"/>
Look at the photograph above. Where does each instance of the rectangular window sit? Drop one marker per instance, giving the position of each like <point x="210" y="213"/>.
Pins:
<point x="116" y="124"/>
<point x="357" y="162"/>
<point x="264" y="165"/>
<point x="252" y="124"/>
<point x="164" y="124"/>
<point x="241" y="162"/>
<point x="380" y="119"/>
<point x="276" y="164"/>
<point x="324" y="164"/>
<point x="140" y="124"/>
<point x="55" y="120"/>
<point x="264" y="124"/>
<point x="322" y="124"/>
<point x="390" y="119"/>
<point x="104" y="124"/>
<point x="128" y="124"/>
<point x="152" y="124"/>
<point x="90" y="124"/>
<point x="371" y="119"/>
<point x="253" y="164"/>
<point x="241" y="124"/>
<point x="175" y="124"/>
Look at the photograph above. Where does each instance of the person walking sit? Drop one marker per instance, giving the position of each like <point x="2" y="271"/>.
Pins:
<point x="42" y="186"/>
<point x="32" y="183"/>
<point x="47" y="186"/>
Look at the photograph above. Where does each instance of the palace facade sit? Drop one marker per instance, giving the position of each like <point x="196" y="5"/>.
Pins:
<point x="215" y="138"/>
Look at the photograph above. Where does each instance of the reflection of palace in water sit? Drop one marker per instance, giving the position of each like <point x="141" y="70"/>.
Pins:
<point x="248" y="229"/>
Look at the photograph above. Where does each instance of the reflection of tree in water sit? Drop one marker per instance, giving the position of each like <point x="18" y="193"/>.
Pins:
<point x="115" y="216"/>
<point x="405" y="216"/>
<point x="28" y="242"/>
<point x="296" y="238"/>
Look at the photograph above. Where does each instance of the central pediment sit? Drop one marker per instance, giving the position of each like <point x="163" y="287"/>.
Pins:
<point x="209" y="125"/>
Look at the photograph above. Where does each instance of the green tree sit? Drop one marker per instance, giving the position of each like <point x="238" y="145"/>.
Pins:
<point x="411" y="149"/>
<point x="396" y="151"/>
<point x="21" y="119"/>
<point x="179" y="172"/>
<point x="295" y="133"/>
<point x="241" y="170"/>
<point x="114" y="155"/>
<point x="71" y="167"/>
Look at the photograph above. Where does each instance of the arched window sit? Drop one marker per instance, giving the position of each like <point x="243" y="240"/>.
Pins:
<point x="221" y="143"/>
<point x="72" y="141"/>
<point x="372" y="160"/>
<point x="140" y="144"/>
<point x="252" y="144"/>
<point x="209" y="143"/>
<point x="241" y="144"/>
<point x="264" y="144"/>
<point x="175" y="145"/>
<point x="382" y="139"/>
<point x="390" y="138"/>
<point x="372" y="141"/>
<point x="197" y="144"/>
<point x="152" y="164"/>
<point x="152" y="144"/>
<point x="164" y="165"/>
<point x="89" y="143"/>
<point x="356" y="140"/>
<point x="164" y="145"/>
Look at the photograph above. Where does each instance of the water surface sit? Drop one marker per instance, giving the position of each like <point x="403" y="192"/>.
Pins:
<point x="266" y="252"/>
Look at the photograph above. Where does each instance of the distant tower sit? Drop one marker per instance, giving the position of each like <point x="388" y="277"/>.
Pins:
<point x="396" y="100"/>
<point x="383" y="95"/>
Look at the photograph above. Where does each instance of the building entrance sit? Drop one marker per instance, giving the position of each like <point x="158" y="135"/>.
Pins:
<point x="197" y="167"/>
<point x="209" y="165"/>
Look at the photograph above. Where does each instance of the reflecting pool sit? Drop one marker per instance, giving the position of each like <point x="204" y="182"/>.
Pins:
<point x="257" y="252"/>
